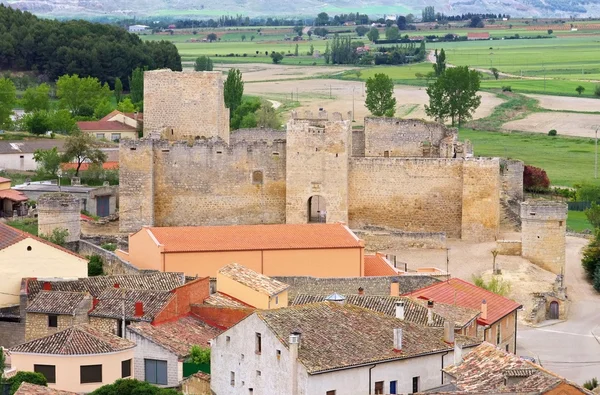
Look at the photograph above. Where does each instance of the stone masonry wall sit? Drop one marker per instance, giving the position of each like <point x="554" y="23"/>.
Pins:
<point x="109" y="325"/>
<point x="511" y="193"/>
<point x="415" y="195"/>
<point x="389" y="240"/>
<point x="403" y="137"/>
<point x="185" y="104"/>
<point x="59" y="211"/>
<point x="211" y="183"/>
<point x="111" y="263"/>
<point x="146" y="349"/>
<point x="11" y="333"/>
<point x="358" y="142"/>
<point x="317" y="165"/>
<point x="37" y="325"/>
<point x="480" y="199"/>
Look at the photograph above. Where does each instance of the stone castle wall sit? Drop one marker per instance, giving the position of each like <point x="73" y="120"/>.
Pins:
<point x="511" y="192"/>
<point x="407" y="138"/>
<point x="185" y="104"/>
<point x="59" y="211"/>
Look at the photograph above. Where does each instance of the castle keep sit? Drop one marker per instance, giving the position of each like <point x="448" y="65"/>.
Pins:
<point x="404" y="174"/>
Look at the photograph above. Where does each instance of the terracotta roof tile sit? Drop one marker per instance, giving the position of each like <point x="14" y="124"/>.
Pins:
<point x="377" y="265"/>
<point x="13" y="195"/>
<point x="29" y="146"/>
<point x="462" y="293"/>
<point x="32" y="389"/>
<point x="76" y="340"/>
<point x="56" y="302"/>
<point x="221" y="299"/>
<point x="459" y="314"/>
<point x="10" y="236"/>
<point x="257" y="281"/>
<point x="254" y="237"/>
<point x="353" y="335"/>
<point x="177" y="336"/>
<point x="2" y="179"/>
<point x="110" y="303"/>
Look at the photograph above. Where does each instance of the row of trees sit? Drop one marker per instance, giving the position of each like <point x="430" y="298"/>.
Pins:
<point x="52" y="48"/>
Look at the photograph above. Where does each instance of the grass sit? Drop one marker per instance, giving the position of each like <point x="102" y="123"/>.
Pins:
<point x="567" y="160"/>
<point x="28" y="225"/>
<point x="578" y="222"/>
<point x="514" y="107"/>
<point x="549" y="87"/>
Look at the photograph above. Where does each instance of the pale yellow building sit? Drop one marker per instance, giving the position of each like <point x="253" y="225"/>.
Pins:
<point x="25" y="255"/>
<point x="252" y="288"/>
<point x="79" y="359"/>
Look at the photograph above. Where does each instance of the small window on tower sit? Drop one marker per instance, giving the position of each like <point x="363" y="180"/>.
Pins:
<point x="257" y="177"/>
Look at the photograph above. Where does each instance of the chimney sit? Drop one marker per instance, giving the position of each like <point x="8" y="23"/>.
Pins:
<point x="47" y="286"/>
<point x="400" y="309"/>
<point x="139" y="309"/>
<point x="458" y="357"/>
<point x="395" y="288"/>
<point x="483" y="310"/>
<point x="361" y="291"/>
<point x="116" y="285"/>
<point x="294" y="343"/>
<point x="397" y="339"/>
<point x="94" y="303"/>
<point x="449" y="331"/>
<point x="430" y="312"/>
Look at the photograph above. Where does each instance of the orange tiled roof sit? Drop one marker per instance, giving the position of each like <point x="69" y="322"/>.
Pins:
<point x="2" y="179"/>
<point x="86" y="166"/>
<point x="13" y="195"/>
<point x="254" y="237"/>
<point x="10" y="236"/>
<point x="376" y="265"/>
<point x="462" y="293"/>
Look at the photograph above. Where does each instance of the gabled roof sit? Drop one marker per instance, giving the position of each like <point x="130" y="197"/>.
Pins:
<point x="462" y="293"/>
<point x="102" y="126"/>
<point x="352" y="335"/>
<point x="377" y="265"/>
<point x="10" y="236"/>
<point x="221" y="299"/>
<point x="33" y="389"/>
<point x="413" y="312"/>
<point x="110" y="303"/>
<point x="13" y="195"/>
<point x="459" y="314"/>
<point x="254" y="237"/>
<point x="76" y="340"/>
<point x="486" y="368"/>
<point x="56" y="302"/>
<point x="251" y="279"/>
<point x="178" y="336"/>
<point x="29" y="146"/>
<point x="2" y="179"/>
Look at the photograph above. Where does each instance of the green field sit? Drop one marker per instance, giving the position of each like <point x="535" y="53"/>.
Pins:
<point x="568" y="161"/>
<point x="578" y="222"/>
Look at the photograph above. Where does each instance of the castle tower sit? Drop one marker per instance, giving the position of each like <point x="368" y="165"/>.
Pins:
<point x="318" y="151"/>
<point x="59" y="211"/>
<point x="544" y="225"/>
<point x="184" y="105"/>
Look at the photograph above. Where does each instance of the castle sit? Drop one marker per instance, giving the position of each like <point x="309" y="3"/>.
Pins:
<point x="410" y="175"/>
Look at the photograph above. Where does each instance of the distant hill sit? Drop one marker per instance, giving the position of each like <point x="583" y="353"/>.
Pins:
<point x="208" y="8"/>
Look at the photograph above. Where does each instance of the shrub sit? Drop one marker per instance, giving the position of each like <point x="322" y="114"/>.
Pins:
<point x="597" y="90"/>
<point x="587" y="193"/>
<point x="593" y="215"/>
<point x="591" y="384"/>
<point x="496" y="285"/>
<point x="28" y="377"/>
<point x="506" y="88"/>
<point x="132" y="387"/>
<point x="95" y="266"/>
<point x="553" y="132"/>
<point x="109" y="246"/>
<point x="567" y="193"/>
<point x="200" y="355"/>
<point x="591" y="258"/>
<point x="58" y="236"/>
<point x="535" y="179"/>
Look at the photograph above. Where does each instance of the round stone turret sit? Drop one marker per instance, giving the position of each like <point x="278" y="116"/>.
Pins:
<point x="59" y="210"/>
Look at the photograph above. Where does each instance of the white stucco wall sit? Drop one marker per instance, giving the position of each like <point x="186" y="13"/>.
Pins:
<point x="275" y="375"/>
<point x="15" y="162"/>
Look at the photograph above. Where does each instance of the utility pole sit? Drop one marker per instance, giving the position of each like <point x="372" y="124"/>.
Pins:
<point x="353" y="104"/>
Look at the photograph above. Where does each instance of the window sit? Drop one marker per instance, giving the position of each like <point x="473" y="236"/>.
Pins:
<point x="332" y="392"/>
<point x="379" y="387"/>
<point x="258" y="345"/>
<point x="386" y="154"/>
<point x="498" y="334"/>
<point x="393" y="387"/>
<point x="52" y="321"/>
<point x="415" y="385"/>
<point x="278" y="354"/>
<point x="155" y="371"/>
<point x="257" y="177"/>
<point x="126" y="368"/>
<point x="232" y="378"/>
<point x="100" y="135"/>
<point x="507" y="350"/>
<point x="115" y="136"/>
<point x="227" y="339"/>
<point x="49" y="372"/>
<point x="258" y="373"/>
<point x="90" y="374"/>
<point x="276" y="299"/>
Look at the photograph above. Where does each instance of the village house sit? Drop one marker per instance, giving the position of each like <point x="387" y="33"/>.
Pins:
<point x="79" y="359"/>
<point x="330" y="348"/>
<point x="498" y="318"/>
<point x="487" y="369"/>
<point x="12" y="203"/>
<point x="320" y="250"/>
<point x="114" y="126"/>
<point x="18" y="154"/>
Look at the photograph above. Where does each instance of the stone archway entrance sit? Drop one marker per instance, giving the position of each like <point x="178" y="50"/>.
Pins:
<point x="554" y="310"/>
<point x="317" y="209"/>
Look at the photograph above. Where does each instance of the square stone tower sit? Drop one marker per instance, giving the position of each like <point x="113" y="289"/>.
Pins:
<point x="184" y="105"/>
<point x="318" y="152"/>
<point x="544" y="229"/>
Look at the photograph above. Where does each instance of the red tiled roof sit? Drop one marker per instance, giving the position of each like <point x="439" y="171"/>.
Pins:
<point x="376" y="265"/>
<point x="2" y="179"/>
<point x="86" y="166"/>
<point x="462" y="293"/>
<point x="91" y="126"/>
<point x="254" y="237"/>
<point x="10" y="236"/>
<point x="13" y="195"/>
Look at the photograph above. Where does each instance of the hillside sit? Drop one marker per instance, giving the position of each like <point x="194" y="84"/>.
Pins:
<point x="208" y="8"/>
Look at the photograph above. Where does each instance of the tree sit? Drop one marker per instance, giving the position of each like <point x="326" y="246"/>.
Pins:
<point x="597" y="90"/>
<point x="36" y="122"/>
<point x="95" y="266"/>
<point x="327" y="53"/>
<point x="200" y="355"/>
<point x="380" y="96"/>
<point x="80" y="95"/>
<point x="8" y="99"/>
<point x="136" y="87"/>
<point x="454" y="95"/>
<point x="476" y="21"/>
<point x="81" y="147"/>
<point x="392" y="33"/>
<point x="373" y="34"/>
<point x="591" y="257"/>
<point x="48" y="161"/>
<point x="309" y="33"/>
<point x="243" y="37"/>
<point x="440" y="62"/>
<point x="298" y="30"/>
<point x="593" y="215"/>
<point x="233" y="90"/>
<point x="126" y="106"/>
<point x="2" y="365"/>
<point x="428" y="14"/>
<point x="267" y="116"/>
<point x="211" y="37"/>
<point x="36" y="99"/>
<point x="62" y="122"/>
<point x="591" y="384"/>
<point x="535" y="179"/>
<point x="311" y="50"/>
<point x="58" y="236"/>
<point x="580" y="89"/>
<point x="28" y="377"/>
<point x="410" y="18"/>
<point x="550" y="31"/>
<point x="276" y="57"/>
<point x="118" y="90"/>
<point x="361" y="30"/>
<point x="401" y="22"/>
<point x="103" y="108"/>
<point x="132" y="387"/>
<point x="495" y="72"/>
<point x="296" y="50"/>
<point x="203" y="63"/>
<point x="252" y="37"/>
<point x="322" y="19"/>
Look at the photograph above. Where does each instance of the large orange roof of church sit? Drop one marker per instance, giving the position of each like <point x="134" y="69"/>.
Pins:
<point x="254" y="237"/>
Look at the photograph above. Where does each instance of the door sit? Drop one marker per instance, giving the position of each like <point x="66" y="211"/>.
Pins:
<point x="102" y="206"/>
<point x="379" y="387"/>
<point x="393" y="388"/>
<point x="554" y="310"/>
